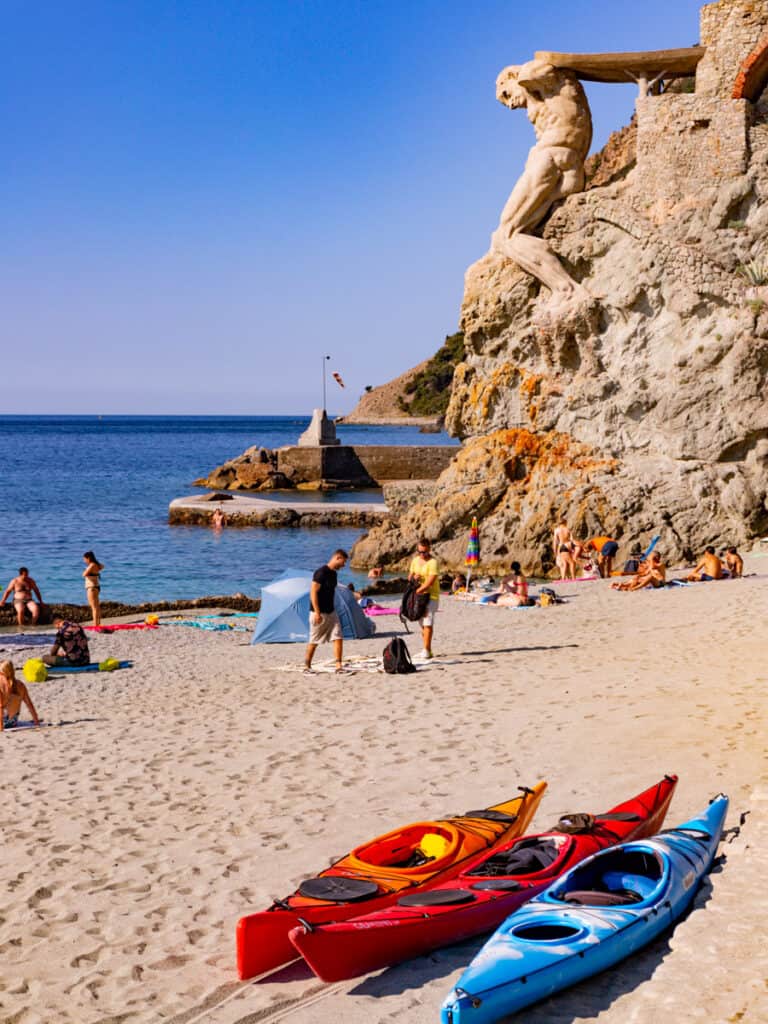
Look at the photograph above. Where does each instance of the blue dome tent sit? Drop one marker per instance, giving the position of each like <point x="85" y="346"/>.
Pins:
<point x="284" y="614"/>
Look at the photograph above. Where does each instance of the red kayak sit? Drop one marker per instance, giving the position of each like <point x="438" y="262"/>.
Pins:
<point x="373" y="875"/>
<point x="489" y="888"/>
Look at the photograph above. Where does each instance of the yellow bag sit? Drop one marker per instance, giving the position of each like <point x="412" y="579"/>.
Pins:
<point x="434" y="846"/>
<point x="35" y="670"/>
<point x="109" y="665"/>
<point x="545" y="600"/>
<point x="152" y="619"/>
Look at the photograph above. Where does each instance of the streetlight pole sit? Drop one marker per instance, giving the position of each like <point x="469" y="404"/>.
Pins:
<point x="325" y="358"/>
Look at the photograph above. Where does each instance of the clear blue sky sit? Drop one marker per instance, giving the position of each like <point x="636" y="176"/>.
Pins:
<point x="202" y="197"/>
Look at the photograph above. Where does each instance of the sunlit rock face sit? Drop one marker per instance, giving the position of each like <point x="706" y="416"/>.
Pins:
<point x="642" y="408"/>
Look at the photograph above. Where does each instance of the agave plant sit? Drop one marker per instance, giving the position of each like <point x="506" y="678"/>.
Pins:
<point x="754" y="272"/>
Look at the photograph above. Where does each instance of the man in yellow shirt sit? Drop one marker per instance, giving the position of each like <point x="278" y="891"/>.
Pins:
<point x="424" y="569"/>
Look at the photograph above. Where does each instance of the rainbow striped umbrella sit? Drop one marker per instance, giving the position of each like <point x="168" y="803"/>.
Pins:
<point x="472" y="557"/>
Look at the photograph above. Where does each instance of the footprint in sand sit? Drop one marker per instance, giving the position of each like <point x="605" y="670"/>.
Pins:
<point x="169" y="963"/>
<point x="86" y="958"/>
<point x="43" y="893"/>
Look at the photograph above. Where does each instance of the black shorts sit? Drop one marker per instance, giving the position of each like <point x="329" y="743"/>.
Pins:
<point x="609" y="549"/>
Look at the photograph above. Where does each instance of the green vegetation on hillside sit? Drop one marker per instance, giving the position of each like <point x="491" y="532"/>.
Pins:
<point x="431" y="387"/>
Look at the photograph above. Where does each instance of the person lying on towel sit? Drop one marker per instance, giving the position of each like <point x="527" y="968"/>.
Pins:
<point x="652" y="573"/>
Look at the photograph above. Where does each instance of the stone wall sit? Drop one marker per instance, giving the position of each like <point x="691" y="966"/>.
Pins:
<point x="387" y="462"/>
<point x="686" y="143"/>
<point x="730" y="30"/>
<point x="689" y="142"/>
<point x="260" y="469"/>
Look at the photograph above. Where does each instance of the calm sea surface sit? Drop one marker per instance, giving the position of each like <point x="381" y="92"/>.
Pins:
<point x="71" y="483"/>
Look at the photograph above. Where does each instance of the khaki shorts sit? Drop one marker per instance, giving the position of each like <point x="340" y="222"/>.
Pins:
<point x="428" y="618"/>
<point x="328" y="628"/>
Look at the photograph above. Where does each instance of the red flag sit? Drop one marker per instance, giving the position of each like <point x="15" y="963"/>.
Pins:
<point x="337" y="378"/>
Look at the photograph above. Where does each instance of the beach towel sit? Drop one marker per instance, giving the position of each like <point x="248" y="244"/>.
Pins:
<point x="26" y="641"/>
<point x="93" y="666"/>
<point x="211" y="627"/>
<point x="372" y="666"/>
<point x="122" y="625"/>
<point x="378" y="609"/>
<point x="230" y="615"/>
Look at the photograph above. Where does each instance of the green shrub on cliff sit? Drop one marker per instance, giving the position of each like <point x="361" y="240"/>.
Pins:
<point x="431" y="388"/>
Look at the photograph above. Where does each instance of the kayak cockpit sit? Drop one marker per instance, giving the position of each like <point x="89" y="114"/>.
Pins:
<point x="617" y="877"/>
<point x="409" y="848"/>
<point x="528" y="857"/>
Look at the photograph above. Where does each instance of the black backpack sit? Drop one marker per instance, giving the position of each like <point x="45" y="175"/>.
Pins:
<point x="413" y="606"/>
<point x="397" y="660"/>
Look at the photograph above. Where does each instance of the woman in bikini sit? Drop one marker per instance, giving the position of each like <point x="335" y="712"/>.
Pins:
<point x="23" y="587"/>
<point x="514" y="588"/>
<point x="563" y="545"/>
<point x="93" y="585"/>
<point x="13" y="693"/>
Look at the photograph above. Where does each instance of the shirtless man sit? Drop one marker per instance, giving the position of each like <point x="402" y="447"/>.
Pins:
<point x="563" y="546"/>
<point x="13" y="693"/>
<point x="734" y="563"/>
<point x="558" y="109"/>
<point x="652" y="572"/>
<point x="23" y="587"/>
<point x="709" y="568"/>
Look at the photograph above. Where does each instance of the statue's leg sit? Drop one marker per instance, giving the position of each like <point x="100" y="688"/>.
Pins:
<point x="535" y="191"/>
<point x="541" y="184"/>
<point x="534" y="255"/>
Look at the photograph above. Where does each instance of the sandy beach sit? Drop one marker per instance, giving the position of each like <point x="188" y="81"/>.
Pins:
<point x="173" y="797"/>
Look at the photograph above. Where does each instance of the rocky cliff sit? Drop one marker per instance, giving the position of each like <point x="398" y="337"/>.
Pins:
<point x="642" y="409"/>
<point x="383" y="404"/>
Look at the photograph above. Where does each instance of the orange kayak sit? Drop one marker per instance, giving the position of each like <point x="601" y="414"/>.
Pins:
<point x="373" y="875"/>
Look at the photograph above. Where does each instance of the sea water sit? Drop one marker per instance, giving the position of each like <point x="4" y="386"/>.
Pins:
<point x="75" y="483"/>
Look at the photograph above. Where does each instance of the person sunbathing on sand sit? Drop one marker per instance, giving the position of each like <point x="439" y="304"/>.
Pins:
<point x="514" y="588"/>
<point x="13" y="693"/>
<point x="709" y="568"/>
<point x="459" y="584"/>
<point x="651" y="573"/>
<point x="734" y="563"/>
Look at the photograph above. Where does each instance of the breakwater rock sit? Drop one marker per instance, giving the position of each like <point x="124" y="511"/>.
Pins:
<point x="114" y="609"/>
<point x="638" y="407"/>
<point x="198" y="510"/>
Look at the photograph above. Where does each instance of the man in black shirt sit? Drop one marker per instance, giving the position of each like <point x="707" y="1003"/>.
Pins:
<point x="324" y="623"/>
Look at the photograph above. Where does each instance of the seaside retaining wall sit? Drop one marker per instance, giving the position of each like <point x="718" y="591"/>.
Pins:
<point x="375" y="464"/>
<point x="308" y="467"/>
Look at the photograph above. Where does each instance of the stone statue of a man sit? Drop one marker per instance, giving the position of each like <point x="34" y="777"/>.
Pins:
<point x="559" y="111"/>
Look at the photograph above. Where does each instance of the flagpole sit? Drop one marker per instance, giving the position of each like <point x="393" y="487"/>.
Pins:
<point x="325" y="358"/>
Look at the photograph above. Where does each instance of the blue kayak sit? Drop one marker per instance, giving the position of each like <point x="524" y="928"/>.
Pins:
<point x="601" y="911"/>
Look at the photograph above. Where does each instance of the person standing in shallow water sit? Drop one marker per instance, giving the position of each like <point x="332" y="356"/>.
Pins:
<point x="324" y="625"/>
<point x="93" y="585"/>
<point x="24" y="587"/>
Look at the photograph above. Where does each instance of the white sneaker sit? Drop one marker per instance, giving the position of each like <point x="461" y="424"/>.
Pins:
<point x="424" y="655"/>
